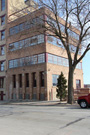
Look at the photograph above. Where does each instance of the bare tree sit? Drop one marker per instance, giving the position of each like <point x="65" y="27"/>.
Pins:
<point x="74" y="29"/>
<point x="76" y="13"/>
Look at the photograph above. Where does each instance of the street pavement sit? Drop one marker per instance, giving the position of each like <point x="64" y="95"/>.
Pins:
<point x="43" y="118"/>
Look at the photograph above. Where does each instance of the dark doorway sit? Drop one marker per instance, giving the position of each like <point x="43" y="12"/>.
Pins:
<point x="1" y="95"/>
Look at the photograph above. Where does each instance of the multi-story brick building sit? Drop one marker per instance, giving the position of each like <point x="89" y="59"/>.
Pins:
<point x="3" y="15"/>
<point x="34" y="60"/>
<point x="7" y="13"/>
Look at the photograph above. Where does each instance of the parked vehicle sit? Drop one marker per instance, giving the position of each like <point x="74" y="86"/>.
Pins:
<point x="84" y="101"/>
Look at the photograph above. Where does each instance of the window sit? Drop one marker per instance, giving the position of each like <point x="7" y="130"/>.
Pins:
<point x="21" y="62"/>
<point x="2" y="50"/>
<point x="2" y="5"/>
<point x="20" y="80"/>
<point x="78" y="84"/>
<point x="40" y="39"/>
<point x="21" y="26"/>
<point x="1" y="82"/>
<point x="25" y="0"/>
<point x="55" y="41"/>
<point x="11" y="31"/>
<point x="26" y="25"/>
<point x="16" y="45"/>
<point x="21" y="44"/>
<point x="11" y="64"/>
<point x="26" y="42"/>
<point x="3" y="20"/>
<point x="54" y="79"/>
<point x="14" y="81"/>
<point x="50" y="58"/>
<point x="34" y="79"/>
<point x="2" y="66"/>
<point x="57" y="60"/>
<point x="2" y="34"/>
<point x="15" y="63"/>
<point x="27" y="79"/>
<point x="41" y="58"/>
<point x="34" y="41"/>
<point x="16" y="28"/>
<point x="35" y="59"/>
<point x="42" y="79"/>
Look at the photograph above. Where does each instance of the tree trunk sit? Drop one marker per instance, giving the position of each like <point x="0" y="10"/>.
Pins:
<point x="70" y="85"/>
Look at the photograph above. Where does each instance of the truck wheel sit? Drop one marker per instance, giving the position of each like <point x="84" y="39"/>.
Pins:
<point x="83" y="104"/>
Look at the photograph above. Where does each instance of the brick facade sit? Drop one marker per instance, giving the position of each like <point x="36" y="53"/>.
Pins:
<point x="48" y="91"/>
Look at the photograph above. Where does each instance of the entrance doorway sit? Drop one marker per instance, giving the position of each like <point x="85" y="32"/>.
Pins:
<point x="2" y="95"/>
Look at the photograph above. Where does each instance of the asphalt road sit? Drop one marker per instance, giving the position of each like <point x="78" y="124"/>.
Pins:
<point x="44" y="119"/>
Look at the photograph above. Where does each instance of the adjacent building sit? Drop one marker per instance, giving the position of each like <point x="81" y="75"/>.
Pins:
<point x="9" y="12"/>
<point x="3" y="20"/>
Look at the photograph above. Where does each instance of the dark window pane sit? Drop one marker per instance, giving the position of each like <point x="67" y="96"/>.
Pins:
<point x="16" y="29"/>
<point x="1" y="82"/>
<point x="2" y="34"/>
<point x="2" y="4"/>
<point x="27" y="79"/>
<point x="42" y="79"/>
<point x="2" y="66"/>
<point x="2" y="20"/>
<point x="34" y="79"/>
<point x="20" y="80"/>
<point x="2" y="50"/>
<point x="21" y="26"/>
<point x="14" y="81"/>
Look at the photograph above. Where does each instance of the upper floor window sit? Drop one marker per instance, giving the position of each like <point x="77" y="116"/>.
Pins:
<point x="2" y="66"/>
<point x="2" y="34"/>
<point x="2" y="5"/>
<point x="3" y="20"/>
<point x="2" y="50"/>
<point x="26" y="25"/>
<point x="35" y="40"/>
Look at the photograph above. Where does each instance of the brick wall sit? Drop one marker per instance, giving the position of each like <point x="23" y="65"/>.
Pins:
<point x="81" y="92"/>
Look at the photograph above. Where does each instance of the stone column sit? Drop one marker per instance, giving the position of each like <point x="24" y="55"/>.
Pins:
<point x="30" y="86"/>
<point x="17" y="86"/>
<point x="23" y="86"/>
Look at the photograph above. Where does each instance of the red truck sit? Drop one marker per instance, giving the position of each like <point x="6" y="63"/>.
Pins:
<point x="84" y="101"/>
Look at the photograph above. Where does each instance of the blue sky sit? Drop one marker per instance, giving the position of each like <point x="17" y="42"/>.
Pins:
<point x="86" y="68"/>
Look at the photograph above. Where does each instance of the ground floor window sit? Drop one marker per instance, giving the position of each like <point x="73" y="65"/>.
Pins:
<point x="1" y="82"/>
<point x="20" y="80"/>
<point x="34" y="79"/>
<point x="54" y="80"/>
<point x="14" y="81"/>
<point x="27" y="79"/>
<point x="42" y="79"/>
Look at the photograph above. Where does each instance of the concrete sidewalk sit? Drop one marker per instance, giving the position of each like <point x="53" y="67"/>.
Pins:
<point x="36" y="103"/>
